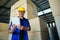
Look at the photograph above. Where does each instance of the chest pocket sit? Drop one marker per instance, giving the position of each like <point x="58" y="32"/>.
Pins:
<point x="25" y="23"/>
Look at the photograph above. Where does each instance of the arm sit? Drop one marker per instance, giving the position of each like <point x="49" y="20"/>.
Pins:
<point x="28" y="28"/>
<point x="25" y="28"/>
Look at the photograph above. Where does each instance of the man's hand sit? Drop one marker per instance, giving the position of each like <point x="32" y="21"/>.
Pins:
<point x="12" y="28"/>
<point x="20" y="27"/>
<point x="23" y="28"/>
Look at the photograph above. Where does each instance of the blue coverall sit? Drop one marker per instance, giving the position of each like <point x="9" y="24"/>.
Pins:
<point x="16" y="35"/>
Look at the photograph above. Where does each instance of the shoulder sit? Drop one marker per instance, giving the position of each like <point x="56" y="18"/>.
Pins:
<point x="25" y="18"/>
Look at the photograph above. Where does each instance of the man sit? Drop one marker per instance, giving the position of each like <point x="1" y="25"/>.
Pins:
<point x="19" y="32"/>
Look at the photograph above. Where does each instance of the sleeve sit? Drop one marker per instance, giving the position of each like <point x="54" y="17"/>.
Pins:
<point x="28" y="24"/>
<point x="10" y="25"/>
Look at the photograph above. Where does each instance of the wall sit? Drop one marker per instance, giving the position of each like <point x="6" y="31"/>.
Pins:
<point x="4" y="31"/>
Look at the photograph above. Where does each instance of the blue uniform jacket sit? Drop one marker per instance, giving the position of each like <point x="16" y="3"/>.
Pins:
<point x="16" y="33"/>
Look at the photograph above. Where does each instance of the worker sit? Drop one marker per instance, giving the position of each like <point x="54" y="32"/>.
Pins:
<point x="19" y="32"/>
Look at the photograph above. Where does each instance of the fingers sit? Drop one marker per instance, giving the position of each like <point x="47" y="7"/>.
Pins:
<point x="14" y="25"/>
<point x="20" y="27"/>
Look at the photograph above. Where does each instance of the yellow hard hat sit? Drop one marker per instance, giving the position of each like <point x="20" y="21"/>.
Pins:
<point x="21" y="9"/>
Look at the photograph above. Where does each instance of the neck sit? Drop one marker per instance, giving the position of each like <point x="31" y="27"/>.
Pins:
<point x="21" y="17"/>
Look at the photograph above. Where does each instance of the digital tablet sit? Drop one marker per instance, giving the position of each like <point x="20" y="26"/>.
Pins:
<point x="15" y="20"/>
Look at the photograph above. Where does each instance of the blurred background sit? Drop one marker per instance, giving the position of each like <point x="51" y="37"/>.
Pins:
<point x="44" y="17"/>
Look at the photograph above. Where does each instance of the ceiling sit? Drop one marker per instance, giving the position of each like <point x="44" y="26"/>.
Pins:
<point x="41" y="5"/>
<point x="48" y="17"/>
<point x="5" y="6"/>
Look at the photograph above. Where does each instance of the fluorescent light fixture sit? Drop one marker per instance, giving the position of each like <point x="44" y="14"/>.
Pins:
<point x="40" y="13"/>
<point x="45" y="11"/>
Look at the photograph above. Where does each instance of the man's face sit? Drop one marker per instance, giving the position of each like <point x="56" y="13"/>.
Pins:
<point x="21" y="13"/>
